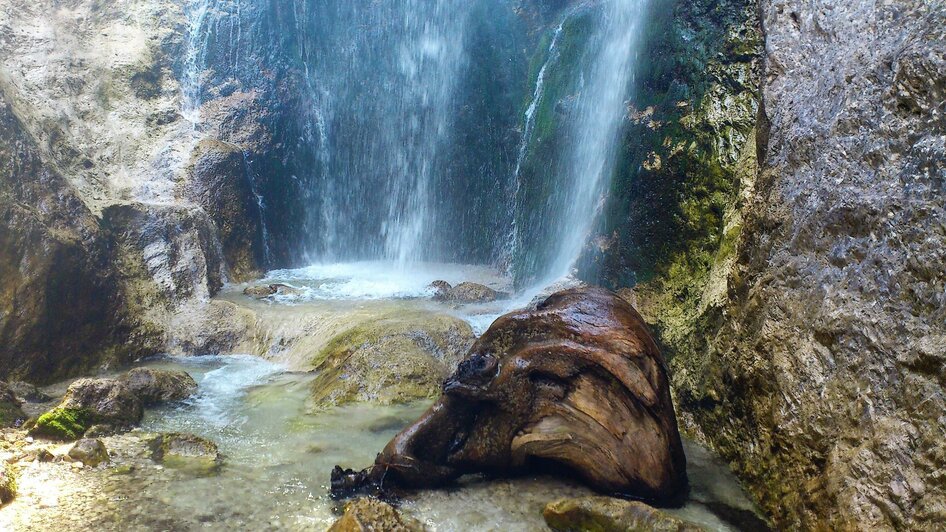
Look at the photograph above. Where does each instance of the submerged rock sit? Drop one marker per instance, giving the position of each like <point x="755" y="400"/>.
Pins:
<point x="607" y="514"/>
<point x="89" y="451"/>
<point x="28" y="392"/>
<point x="393" y="359"/>
<point x="11" y="412"/>
<point x="367" y="514"/>
<point x="87" y="402"/>
<point x="157" y="385"/>
<point x="578" y="383"/>
<point x="186" y="451"/>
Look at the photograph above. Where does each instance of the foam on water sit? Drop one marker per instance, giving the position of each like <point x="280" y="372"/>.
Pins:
<point x="377" y="280"/>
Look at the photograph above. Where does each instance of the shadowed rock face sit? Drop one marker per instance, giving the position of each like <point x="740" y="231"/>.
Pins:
<point x="577" y="384"/>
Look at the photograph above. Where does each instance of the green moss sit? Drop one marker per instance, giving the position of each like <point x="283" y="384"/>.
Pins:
<point x="62" y="424"/>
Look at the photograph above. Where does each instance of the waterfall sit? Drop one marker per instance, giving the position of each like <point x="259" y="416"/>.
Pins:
<point x="195" y="58"/>
<point x="510" y="247"/>
<point x="600" y="108"/>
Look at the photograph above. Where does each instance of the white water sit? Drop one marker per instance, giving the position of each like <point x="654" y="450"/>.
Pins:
<point x="378" y="280"/>
<point x="195" y="58"/>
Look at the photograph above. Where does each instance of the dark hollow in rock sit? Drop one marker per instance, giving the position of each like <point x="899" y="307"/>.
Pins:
<point x="578" y="384"/>
<point x="155" y="385"/>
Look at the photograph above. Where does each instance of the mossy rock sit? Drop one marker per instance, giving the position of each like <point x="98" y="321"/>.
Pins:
<point x="362" y="515"/>
<point x="187" y="452"/>
<point x="606" y="514"/>
<point x="393" y="359"/>
<point x="61" y="424"/>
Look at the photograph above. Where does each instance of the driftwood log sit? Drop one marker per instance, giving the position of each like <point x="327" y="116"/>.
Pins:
<point x="577" y="384"/>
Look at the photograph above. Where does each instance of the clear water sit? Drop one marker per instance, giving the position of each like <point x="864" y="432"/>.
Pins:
<point x="279" y="456"/>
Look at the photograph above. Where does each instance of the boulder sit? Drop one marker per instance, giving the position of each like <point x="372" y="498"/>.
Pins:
<point x="264" y="291"/>
<point x="28" y="393"/>
<point x="88" y="402"/>
<point x="156" y="385"/>
<point x="367" y="514"/>
<point x="441" y="290"/>
<point x="464" y="292"/>
<point x="186" y="451"/>
<point x="89" y="451"/>
<point x="577" y="385"/>
<point x="223" y="186"/>
<point x="395" y="358"/>
<point x="607" y="514"/>
<point x="11" y="413"/>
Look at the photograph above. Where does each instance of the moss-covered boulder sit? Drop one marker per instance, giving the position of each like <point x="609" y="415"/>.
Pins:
<point x="88" y="402"/>
<point x="606" y="514"/>
<point x="366" y="514"/>
<point x="89" y="451"/>
<point x="61" y="424"/>
<point x="10" y="412"/>
<point x="157" y="385"/>
<point x="186" y="451"/>
<point x="394" y="358"/>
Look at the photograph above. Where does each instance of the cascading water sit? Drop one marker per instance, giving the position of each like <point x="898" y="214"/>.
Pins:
<point x="403" y="131"/>
<point x="599" y="111"/>
<point x="573" y="128"/>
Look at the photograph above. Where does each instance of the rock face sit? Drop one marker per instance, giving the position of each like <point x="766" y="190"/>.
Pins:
<point x="155" y="386"/>
<point x="88" y="402"/>
<point x="366" y="514"/>
<point x="222" y="187"/>
<point x="606" y="514"/>
<point x="89" y="451"/>
<point x="28" y="392"/>
<point x="7" y="483"/>
<point x="578" y="383"/>
<point x="814" y="358"/>
<point x="391" y="359"/>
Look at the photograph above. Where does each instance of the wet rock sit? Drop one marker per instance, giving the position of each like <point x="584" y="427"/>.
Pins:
<point x="186" y="451"/>
<point x="28" y="392"/>
<point x="87" y="402"/>
<point x="441" y="290"/>
<point x="44" y="455"/>
<point x="264" y="291"/>
<point x="606" y="514"/>
<point x="221" y="184"/>
<point x="464" y="292"/>
<point x="367" y="514"/>
<point x="11" y="413"/>
<point x="155" y="386"/>
<point x="577" y="383"/>
<point x="392" y="359"/>
<point x="89" y="451"/>
<point x="7" y="483"/>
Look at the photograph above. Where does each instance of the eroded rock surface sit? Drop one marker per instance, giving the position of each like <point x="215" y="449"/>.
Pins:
<point x="578" y="383"/>
<point x="89" y="451"/>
